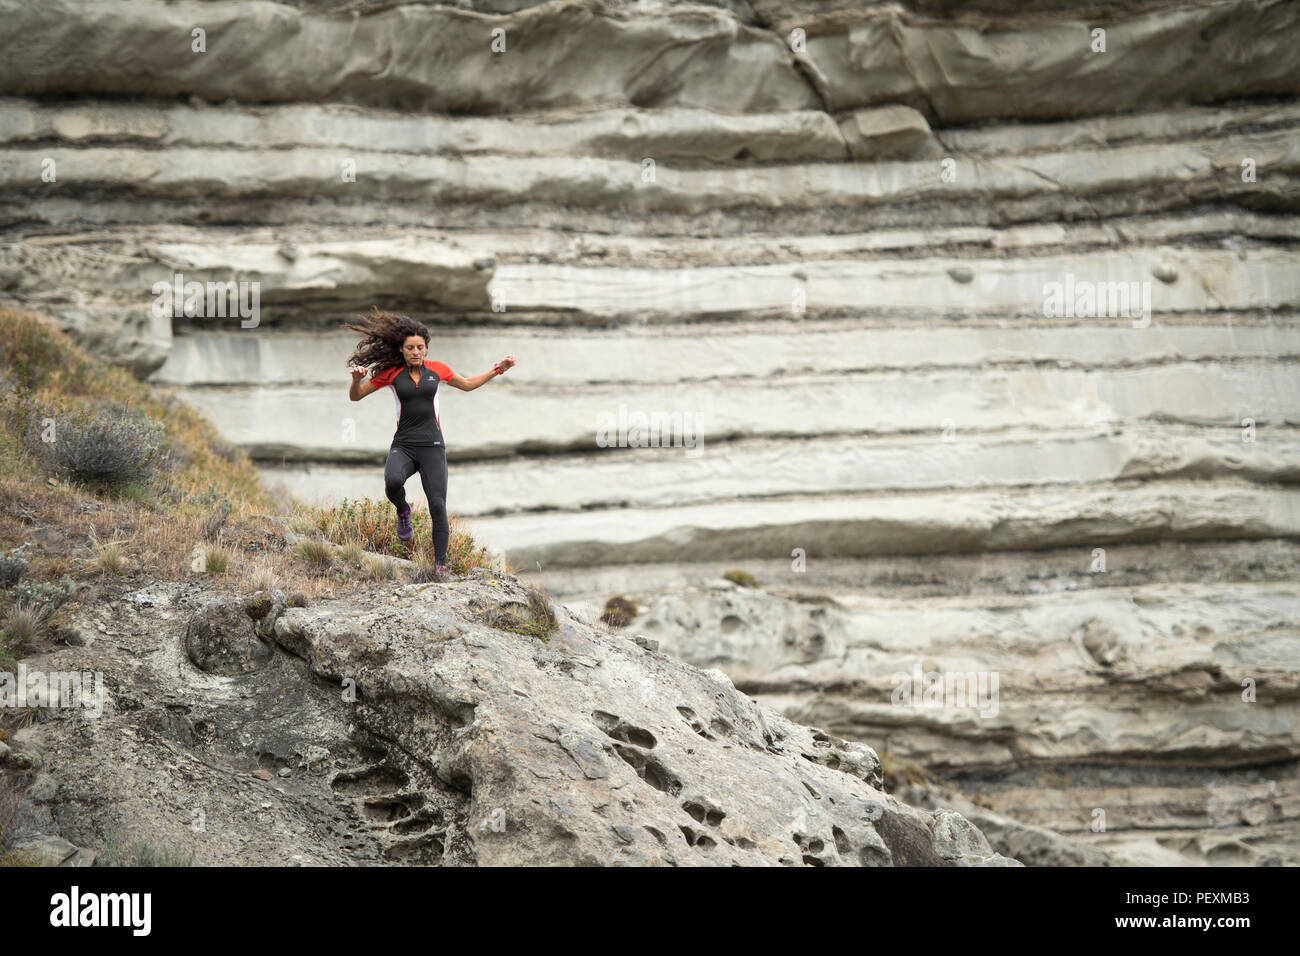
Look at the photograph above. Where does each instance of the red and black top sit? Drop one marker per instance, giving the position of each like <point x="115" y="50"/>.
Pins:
<point x="416" y="403"/>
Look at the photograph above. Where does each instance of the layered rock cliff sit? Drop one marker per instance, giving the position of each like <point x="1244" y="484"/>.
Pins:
<point x="817" y="243"/>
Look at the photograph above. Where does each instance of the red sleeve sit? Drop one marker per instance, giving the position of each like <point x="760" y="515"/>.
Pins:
<point x="385" y="377"/>
<point x="442" y="371"/>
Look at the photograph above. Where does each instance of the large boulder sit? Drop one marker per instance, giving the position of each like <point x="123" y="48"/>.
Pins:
<point x="226" y="635"/>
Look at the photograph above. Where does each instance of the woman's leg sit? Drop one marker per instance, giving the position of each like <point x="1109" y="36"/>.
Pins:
<point x="433" y="475"/>
<point x="399" y="466"/>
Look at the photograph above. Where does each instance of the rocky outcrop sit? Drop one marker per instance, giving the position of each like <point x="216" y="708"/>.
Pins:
<point x="398" y="726"/>
<point x="1133" y="704"/>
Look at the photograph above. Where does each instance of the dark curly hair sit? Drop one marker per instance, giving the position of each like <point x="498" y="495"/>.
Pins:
<point x="384" y="334"/>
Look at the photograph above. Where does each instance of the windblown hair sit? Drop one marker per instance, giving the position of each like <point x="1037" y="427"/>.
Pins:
<point x="384" y="334"/>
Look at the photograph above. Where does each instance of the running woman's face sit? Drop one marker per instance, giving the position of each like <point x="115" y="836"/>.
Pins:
<point x="413" y="350"/>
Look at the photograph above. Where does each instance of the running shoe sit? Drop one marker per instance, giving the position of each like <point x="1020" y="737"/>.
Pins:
<point x="404" y="525"/>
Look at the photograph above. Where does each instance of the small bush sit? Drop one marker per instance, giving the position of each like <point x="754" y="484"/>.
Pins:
<point x="743" y="578"/>
<point x="110" y="557"/>
<point x="351" y="552"/>
<point x="265" y="579"/>
<point x="53" y="593"/>
<point x="22" y="625"/>
<point x="538" y="620"/>
<point x="13" y="565"/>
<point x="379" y="569"/>
<point x="122" y="850"/>
<point x="111" y="448"/>
<point x="216" y="561"/>
<point x="619" y="611"/>
<point x="314" y="551"/>
<point x="31" y="609"/>
<point x="39" y="598"/>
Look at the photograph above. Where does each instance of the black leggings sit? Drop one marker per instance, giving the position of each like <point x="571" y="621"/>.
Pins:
<point x="431" y="462"/>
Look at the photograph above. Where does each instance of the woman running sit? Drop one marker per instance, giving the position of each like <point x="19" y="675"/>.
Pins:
<point x="395" y="347"/>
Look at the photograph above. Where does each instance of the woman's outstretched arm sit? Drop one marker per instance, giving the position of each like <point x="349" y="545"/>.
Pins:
<point x="474" y="381"/>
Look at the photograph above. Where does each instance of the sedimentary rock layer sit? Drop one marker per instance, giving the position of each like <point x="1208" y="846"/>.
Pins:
<point x="437" y="58"/>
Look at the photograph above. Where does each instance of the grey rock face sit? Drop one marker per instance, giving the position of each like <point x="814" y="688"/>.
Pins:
<point x="981" y="66"/>
<point x="224" y="635"/>
<point x="412" y="732"/>
<point x="54" y="851"/>
<point x="1119" y="731"/>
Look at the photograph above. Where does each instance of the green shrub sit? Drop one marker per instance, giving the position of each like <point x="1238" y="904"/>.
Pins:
<point x="537" y="620"/>
<point x="13" y="565"/>
<point x="743" y="578"/>
<point x="111" y="448"/>
<point x="51" y="593"/>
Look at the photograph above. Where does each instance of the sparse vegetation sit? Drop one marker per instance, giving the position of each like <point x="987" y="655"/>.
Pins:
<point x="105" y="482"/>
<point x="618" y="612"/>
<point x="13" y="565"/>
<point x="537" y="619"/>
<point x="315" y="552"/>
<point x="743" y="578"/>
<point x="380" y="569"/>
<point x="367" y="524"/>
<point x="16" y="822"/>
<point x="898" y="772"/>
<point x="110" y="558"/>
<point x="21" y="625"/>
<point x="123" y="850"/>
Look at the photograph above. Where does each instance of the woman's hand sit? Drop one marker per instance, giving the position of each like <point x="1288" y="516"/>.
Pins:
<point x="507" y="363"/>
<point x="358" y="373"/>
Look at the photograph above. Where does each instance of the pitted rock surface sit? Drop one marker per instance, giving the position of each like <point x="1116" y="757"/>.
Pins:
<point x="396" y="727"/>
